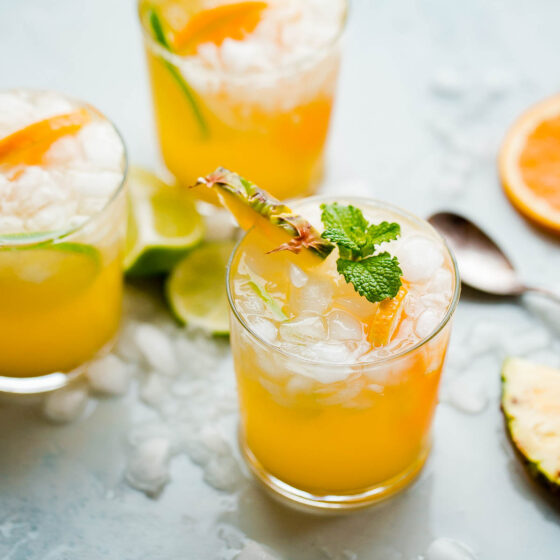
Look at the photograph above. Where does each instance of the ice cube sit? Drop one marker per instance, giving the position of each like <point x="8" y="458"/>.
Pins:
<point x="303" y="330"/>
<point x="299" y="384"/>
<point x="448" y="549"/>
<point x="427" y="323"/>
<point x="50" y="218"/>
<point x="205" y="444"/>
<point x="148" y="466"/>
<point x="298" y="278"/>
<point x="343" y="326"/>
<point x="157" y="348"/>
<point x="419" y="258"/>
<point x="223" y="473"/>
<point x="10" y="224"/>
<point x="101" y="145"/>
<point x="466" y="394"/>
<point x="49" y="104"/>
<point x="66" y="404"/>
<point x="263" y="327"/>
<point x="153" y="390"/>
<point x="93" y="183"/>
<point x="66" y="149"/>
<point x="109" y="375"/>
<point x="254" y="551"/>
<point x="314" y="297"/>
<point x="526" y="342"/>
<point x="441" y="283"/>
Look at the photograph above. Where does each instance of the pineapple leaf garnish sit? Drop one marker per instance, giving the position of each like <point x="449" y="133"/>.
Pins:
<point x="159" y="37"/>
<point x="249" y="196"/>
<point x="375" y="277"/>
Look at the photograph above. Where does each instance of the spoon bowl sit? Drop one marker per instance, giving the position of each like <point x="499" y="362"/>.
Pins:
<point x="482" y="264"/>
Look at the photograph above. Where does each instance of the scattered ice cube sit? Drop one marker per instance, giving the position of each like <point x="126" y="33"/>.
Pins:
<point x="255" y="551"/>
<point x="109" y="375"/>
<point x="343" y="326"/>
<point x="148" y="466"/>
<point x="521" y="344"/>
<point x="297" y="277"/>
<point x="223" y="473"/>
<point x="303" y="330"/>
<point x="466" y="394"/>
<point x="485" y="336"/>
<point x="66" y="404"/>
<point x="448" y="549"/>
<point x="157" y="348"/>
<point x="153" y="390"/>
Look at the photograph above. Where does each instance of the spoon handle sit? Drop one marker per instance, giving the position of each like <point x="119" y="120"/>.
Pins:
<point x="547" y="292"/>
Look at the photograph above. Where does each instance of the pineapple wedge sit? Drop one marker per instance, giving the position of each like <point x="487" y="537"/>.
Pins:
<point x="252" y="206"/>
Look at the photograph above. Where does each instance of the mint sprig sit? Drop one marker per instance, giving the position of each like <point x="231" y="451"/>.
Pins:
<point x="375" y="277"/>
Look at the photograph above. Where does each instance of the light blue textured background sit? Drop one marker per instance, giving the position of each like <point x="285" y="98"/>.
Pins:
<point x="61" y="494"/>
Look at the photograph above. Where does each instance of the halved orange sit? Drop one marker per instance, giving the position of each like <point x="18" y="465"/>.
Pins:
<point x="386" y="320"/>
<point x="29" y="144"/>
<point x="234" y="21"/>
<point x="529" y="163"/>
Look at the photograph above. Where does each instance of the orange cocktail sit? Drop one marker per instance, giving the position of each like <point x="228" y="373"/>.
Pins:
<point x="62" y="222"/>
<point x="336" y="393"/>
<point x="247" y="85"/>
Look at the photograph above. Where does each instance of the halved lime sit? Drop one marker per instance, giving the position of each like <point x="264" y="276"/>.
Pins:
<point x="196" y="288"/>
<point x="163" y="225"/>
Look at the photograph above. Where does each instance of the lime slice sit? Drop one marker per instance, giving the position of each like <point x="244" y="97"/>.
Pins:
<point x="163" y="225"/>
<point x="43" y="275"/>
<point x="196" y="289"/>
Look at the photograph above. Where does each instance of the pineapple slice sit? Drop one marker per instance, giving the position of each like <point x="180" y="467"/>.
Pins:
<point x="254" y="207"/>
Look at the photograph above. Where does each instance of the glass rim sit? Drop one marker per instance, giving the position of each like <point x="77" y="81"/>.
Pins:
<point x="32" y="239"/>
<point x="375" y="362"/>
<point x="293" y="67"/>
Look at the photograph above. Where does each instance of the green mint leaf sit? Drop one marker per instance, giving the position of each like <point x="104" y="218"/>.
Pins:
<point x="380" y="233"/>
<point x="375" y="278"/>
<point x="346" y="227"/>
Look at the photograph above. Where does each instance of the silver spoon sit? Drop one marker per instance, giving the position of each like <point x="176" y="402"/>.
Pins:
<point x="482" y="264"/>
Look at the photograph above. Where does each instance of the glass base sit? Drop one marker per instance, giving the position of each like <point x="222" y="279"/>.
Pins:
<point x="48" y="382"/>
<point x="331" y="503"/>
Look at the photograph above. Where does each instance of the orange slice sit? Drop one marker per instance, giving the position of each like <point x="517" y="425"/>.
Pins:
<point x="386" y="320"/>
<point x="529" y="163"/>
<point x="28" y="145"/>
<point x="233" y="21"/>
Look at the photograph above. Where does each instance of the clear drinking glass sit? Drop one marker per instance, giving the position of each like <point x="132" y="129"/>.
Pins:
<point x="268" y="125"/>
<point x="335" y="436"/>
<point x="60" y="296"/>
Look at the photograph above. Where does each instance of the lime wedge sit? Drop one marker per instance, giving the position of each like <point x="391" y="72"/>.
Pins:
<point x="196" y="289"/>
<point x="163" y="225"/>
<point x="43" y="275"/>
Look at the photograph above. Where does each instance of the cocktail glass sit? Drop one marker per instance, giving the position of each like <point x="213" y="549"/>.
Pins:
<point x="60" y="296"/>
<point x="269" y="125"/>
<point x="324" y="435"/>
